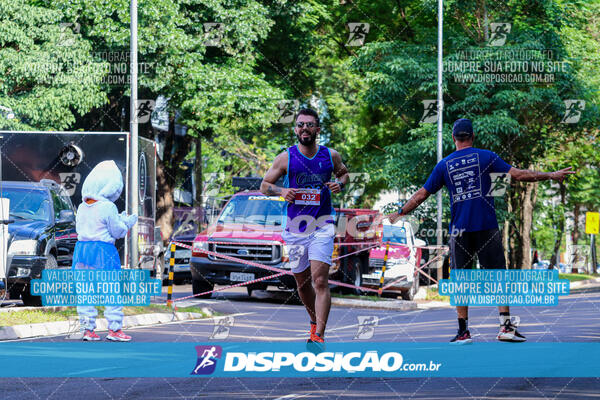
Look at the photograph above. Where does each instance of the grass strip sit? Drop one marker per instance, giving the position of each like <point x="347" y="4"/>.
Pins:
<point x="39" y="316"/>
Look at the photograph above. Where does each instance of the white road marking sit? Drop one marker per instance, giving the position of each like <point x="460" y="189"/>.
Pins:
<point x="356" y="325"/>
<point x="292" y="396"/>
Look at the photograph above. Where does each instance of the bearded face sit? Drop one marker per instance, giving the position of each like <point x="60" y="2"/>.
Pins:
<point x="306" y="137"/>
<point x="306" y="130"/>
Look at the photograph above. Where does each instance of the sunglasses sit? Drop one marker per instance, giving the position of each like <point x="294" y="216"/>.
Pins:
<point x="308" y="124"/>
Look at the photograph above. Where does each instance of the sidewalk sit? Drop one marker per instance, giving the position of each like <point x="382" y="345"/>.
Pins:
<point x="582" y="286"/>
<point x="71" y="326"/>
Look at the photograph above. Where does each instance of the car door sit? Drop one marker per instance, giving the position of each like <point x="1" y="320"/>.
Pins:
<point x="62" y="231"/>
<point x="70" y="227"/>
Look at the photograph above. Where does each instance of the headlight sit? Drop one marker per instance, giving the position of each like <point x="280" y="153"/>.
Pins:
<point x="23" y="247"/>
<point x="285" y="257"/>
<point x="197" y="246"/>
<point x="392" y="262"/>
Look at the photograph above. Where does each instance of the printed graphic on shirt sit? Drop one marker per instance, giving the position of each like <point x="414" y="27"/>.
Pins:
<point x="464" y="173"/>
<point x="311" y="180"/>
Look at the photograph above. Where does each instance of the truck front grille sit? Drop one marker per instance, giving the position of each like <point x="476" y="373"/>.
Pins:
<point x="261" y="253"/>
<point x="376" y="263"/>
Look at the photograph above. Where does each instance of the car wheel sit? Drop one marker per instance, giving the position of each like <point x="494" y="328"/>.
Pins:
<point x="256" y="286"/>
<point x="201" y="287"/>
<point x="29" y="300"/>
<point x="353" y="276"/>
<point x="412" y="292"/>
<point x="158" y="267"/>
<point x="51" y="262"/>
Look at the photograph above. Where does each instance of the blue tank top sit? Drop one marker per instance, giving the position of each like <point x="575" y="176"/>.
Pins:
<point x="309" y="173"/>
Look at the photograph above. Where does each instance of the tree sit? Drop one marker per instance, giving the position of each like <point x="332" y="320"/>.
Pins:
<point x="519" y="122"/>
<point x="49" y="77"/>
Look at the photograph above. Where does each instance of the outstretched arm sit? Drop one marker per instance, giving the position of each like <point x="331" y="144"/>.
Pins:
<point x="277" y="170"/>
<point x="525" y="175"/>
<point x="415" y="201"/>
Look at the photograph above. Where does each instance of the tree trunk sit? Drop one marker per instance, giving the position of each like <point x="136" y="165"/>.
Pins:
<point x="164" y="201"/>
<point x="527" y="220"/>
<point x="166" y="172"/>
<point x="575" y="233"/>
<point x="560" y="229"/>
<point x="199" y="184"/>
<point x="515" y="200"/>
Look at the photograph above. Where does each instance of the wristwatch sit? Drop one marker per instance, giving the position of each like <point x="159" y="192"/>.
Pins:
<point x="400" y="209"/>
<point x="341" y="185"/>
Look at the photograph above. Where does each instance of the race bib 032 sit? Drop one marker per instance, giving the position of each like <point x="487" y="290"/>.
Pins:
<point x="308" y="197"/>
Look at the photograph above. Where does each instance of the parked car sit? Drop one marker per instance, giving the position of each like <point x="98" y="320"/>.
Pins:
<point x="403" y="256"/>
<point x="42" y="236"/>
<point x="181" y="267"/>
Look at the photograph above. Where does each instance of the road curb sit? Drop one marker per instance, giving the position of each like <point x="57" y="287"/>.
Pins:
<point x="583" y="285"/>
<point x="398" y="305"/>
<point x="71" y="326"/>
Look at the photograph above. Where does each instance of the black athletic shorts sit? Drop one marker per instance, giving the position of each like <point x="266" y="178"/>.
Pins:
<point x="485" y="245"/>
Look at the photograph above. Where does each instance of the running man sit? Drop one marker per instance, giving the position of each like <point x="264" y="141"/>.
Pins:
<point x="308" y="168"/>
<point x="466" y="174"/>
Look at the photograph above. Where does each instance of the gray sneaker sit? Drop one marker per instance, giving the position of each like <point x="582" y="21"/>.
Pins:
<point x="508" y="333"/>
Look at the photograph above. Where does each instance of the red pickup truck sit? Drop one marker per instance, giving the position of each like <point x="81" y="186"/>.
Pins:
<point x="249" y="228"/>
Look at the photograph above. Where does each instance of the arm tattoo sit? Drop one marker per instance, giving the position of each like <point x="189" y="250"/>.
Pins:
<point x="273" y="190"/>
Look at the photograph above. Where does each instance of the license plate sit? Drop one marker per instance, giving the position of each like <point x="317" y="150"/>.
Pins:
<point x="183" y="253"/>
<point x="181" y="267"/>
<point x="308" y="197"/>
<point x="374" y="275"/>
<point x="241" y="277"/>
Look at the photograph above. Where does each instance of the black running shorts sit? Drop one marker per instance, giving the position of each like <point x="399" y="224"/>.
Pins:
<point x="485" y="245"/>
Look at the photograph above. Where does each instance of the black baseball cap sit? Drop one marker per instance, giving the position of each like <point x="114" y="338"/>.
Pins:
<point x="463" y="128"/>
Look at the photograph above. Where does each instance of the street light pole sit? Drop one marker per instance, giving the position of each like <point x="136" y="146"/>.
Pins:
<point x="133" y="137"/>
<point x="440" y="108"/>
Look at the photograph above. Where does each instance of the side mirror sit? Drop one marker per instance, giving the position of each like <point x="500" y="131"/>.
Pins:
<point x="66" y="216"/>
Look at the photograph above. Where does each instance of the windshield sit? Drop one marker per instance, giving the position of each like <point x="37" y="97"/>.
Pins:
<point x="27" y="204"/>
<point x="256" y="210"/>
<point x="394" y="234"/>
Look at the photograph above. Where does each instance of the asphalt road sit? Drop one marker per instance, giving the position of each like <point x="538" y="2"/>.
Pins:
<point x="268" y="317"/>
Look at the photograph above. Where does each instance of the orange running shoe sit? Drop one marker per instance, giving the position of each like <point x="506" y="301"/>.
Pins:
<point x="315" y="338"/>
<point x="313" y="328"/>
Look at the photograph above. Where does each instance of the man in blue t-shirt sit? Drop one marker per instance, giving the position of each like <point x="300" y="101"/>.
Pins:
<point x="473" y="225"/>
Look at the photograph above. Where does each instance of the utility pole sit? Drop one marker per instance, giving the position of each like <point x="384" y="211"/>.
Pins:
<point x="133" y="138"/>
<point x="440" y="105"/>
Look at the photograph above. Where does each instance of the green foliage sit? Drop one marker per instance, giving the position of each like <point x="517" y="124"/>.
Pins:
<point x="48" y="74"/>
